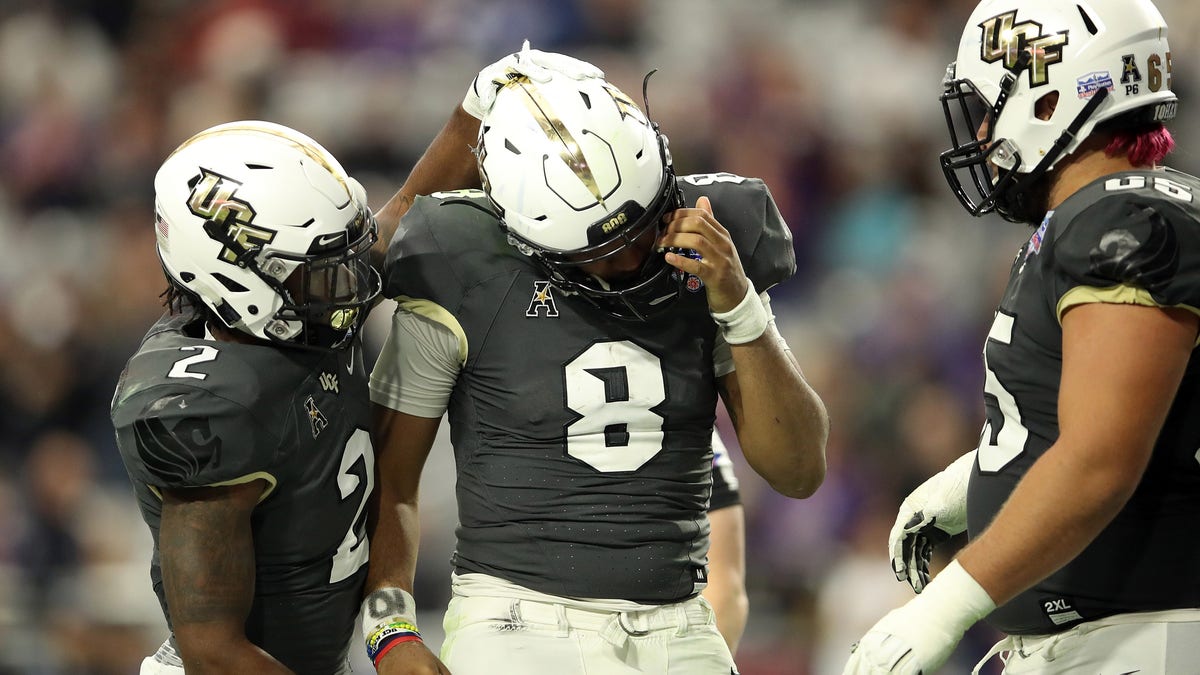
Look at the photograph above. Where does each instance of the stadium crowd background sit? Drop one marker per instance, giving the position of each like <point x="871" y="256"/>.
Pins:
<point x="832" y="102"/>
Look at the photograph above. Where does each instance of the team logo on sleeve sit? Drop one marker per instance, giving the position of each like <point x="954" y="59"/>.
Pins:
<point x="542" y="303"/>
<point x="316" y="418"/>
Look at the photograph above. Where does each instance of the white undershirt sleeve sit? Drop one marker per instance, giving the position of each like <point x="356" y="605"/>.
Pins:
<point x="420" y="360"/>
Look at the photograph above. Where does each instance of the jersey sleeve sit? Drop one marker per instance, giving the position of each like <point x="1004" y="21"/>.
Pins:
<point x="178" y="437"/>
<point x="420" y="360"/>
<point x="1128" y="249"/>
<point x="426" y="258"/>
<point x="763" y="239"/>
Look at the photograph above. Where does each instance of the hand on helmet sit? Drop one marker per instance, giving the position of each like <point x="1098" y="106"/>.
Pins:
<point x="535" y="64"/>
<point x="934" y="512"/>
<point x="718" y="266"/>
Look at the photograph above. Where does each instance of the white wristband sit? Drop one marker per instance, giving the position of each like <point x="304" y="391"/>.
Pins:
<point x="954" y="599"/>
<point x="744" y="323"/>
<point x="387" y="615"/>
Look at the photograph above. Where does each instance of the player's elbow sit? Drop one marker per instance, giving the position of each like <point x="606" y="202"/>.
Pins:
<point x="805" y="470"/>
<point x="801" y="484"/>
<point x="800" y="475"/>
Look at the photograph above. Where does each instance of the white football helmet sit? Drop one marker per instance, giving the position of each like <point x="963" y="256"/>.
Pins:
<point x="577" y="173"/>
<point x="262" y="225"/>
<point x="1105" y="59"/>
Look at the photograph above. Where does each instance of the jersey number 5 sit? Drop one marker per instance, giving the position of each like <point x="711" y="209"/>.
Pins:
<point x="1003" y="437"/>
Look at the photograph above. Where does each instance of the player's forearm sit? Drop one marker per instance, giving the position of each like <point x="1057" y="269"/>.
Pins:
<point x="230" y="656"/>
<point x="394" y="542"/>
<point x="1043" y="526"/>
<point x="447" y="164"/>
<point x="781" y="423"/>
<point x="730" y="605"/>
<point x="726" y="590"/>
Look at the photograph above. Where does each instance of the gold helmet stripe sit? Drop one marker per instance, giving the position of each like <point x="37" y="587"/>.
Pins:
<point x="569" y="150"/>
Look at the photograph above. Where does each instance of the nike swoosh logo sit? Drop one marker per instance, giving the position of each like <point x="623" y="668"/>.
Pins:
<point x="350" y="361"/>
<point x="327" y="239"/>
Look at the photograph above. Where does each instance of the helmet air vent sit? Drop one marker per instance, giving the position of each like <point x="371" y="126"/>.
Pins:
<point x="510" y="147"/>
<point x="233" y="286"/>
<point x="254" y="167"/>
<point x="1087" y="20"/>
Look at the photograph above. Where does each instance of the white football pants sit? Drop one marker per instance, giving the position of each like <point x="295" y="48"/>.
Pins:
<point x="515" y="636"/>
<point x="1147" y="643"/>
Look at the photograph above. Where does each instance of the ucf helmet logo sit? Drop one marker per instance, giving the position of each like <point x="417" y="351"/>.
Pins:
<point x="1004" y="38"/>
<point x="213" y="199"/>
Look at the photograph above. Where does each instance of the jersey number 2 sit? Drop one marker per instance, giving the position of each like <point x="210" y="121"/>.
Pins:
<point x="613" y="388"/>
<point x="354" y="478"/>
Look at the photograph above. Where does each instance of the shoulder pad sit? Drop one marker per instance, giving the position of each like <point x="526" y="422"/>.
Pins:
<point x="745" y="207"/>
<point x="1134" y="239"/>
<point x="445" y="243"/>
<point x="180" y="436"/>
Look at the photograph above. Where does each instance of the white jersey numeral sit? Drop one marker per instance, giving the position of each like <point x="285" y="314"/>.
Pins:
<point x="613" y="388"/>
<point x="1012" y="434"/>
<point x="1166" y="186"/>
<point x="354" y="477"/>
<point x="180" y="369"/>
<point x="702" y="179"/>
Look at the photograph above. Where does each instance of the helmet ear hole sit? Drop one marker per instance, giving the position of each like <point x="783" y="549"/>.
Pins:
<point x="1046" y="105"/>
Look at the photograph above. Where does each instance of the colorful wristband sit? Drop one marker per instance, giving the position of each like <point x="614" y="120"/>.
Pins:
<point x="389" y="618"/>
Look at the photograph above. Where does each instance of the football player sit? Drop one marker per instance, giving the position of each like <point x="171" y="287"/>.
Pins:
<point x="243" y="417"/>
<point x="1083" y="497"/>
<point x="578" y="318"/>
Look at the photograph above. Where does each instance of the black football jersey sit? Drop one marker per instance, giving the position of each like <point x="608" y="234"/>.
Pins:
<point x="191" y="412"/>
<point x="582" y="442"/>
<point x="1130" y="237"/>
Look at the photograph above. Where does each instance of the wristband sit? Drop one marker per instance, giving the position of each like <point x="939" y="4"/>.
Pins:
<point x="389" y="618"/>
<point x="953" y="601"/>
<point x="744" y="323"/>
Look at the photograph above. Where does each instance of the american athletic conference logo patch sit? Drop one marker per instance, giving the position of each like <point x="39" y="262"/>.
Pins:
<point x="542" y="302"/>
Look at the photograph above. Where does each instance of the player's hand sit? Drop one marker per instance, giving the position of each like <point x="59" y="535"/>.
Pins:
<point x="918" y="637"/>
<point x="718" y="266"/>
<point x="934" y="512"/>
<point x="900" y="644"/>
<point x="535" y="64"/>
<point x="411" y="658"/>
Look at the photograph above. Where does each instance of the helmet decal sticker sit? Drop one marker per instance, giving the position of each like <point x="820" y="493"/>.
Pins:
<point x="212" y="199"/>
<point x="1003" y="38"/>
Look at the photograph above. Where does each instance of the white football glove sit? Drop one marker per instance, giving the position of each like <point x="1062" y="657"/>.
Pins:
<point x="934" y="512"/>
<point x="918" y="637"/>
<point x="535" y="64"/>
